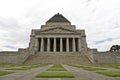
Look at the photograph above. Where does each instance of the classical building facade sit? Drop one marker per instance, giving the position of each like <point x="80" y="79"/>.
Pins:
<point x="58" y="35"/>
<point x="58" y="42"/>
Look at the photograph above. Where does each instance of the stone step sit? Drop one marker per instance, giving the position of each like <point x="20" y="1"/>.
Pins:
<point x="58" y="58"/>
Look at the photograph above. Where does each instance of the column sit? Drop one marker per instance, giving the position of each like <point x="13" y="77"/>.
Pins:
<point x="74" y="47"/>
<point x="36" y="44"/>
<point x="54" y="44"/>
<point x="61" y="45"/>
<point x="79" y="44"/>
<point x="85" y="44"/>
<point x="67" y="44"/>
<point x="39" y="42"/>
<point x="42" y="46"/>
<point x="48" y="44"/>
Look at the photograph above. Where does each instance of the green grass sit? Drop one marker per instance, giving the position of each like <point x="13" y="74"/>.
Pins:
<point x="21" y="68"/>
<point x="110" y="73"/>
<point x="79" y="66"/>
<point x="55" y="75"/>
<point x="87" y="67"/>
<point x="93" y="69"/>
<point x="56" y="67"/>
<point x="56" y="71"/>
<point x="4" y="73"/>
<point x="106" y="65"/>
<point x="10" y="65"/>
<point x="26" y="67"/>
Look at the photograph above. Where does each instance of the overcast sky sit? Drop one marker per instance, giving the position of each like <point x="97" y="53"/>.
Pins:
<point x="99" y="18"/>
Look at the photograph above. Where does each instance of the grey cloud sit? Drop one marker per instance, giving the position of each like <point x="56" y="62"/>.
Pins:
<point x="16" y="34"/>
<point x="10" y="47"/>
<point x="100" y="19"/>
<point x="102" y="41"/>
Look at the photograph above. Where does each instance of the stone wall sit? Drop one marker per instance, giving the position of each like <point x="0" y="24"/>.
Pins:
<point x="9" y="57"/>
<point x="17" y="57"/>
<point x="107" y="57"/>
<point x="23" y="55"/>
<point x="90" y="55"/>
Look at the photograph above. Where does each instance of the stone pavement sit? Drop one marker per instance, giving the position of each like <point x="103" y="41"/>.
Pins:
<point x="24" y="75"/>
<point x="79" y="74"/>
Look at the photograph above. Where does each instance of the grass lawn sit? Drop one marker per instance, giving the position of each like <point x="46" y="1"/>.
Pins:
<point x="26" y="67"/>
<point x="4" y="73"/>
<point x="106" y="65"/>
<point x="49" y="74"/>
<point x="79" y="66"/>
<point x="110" y="73"/>
<point x="10" y="65"/>
<point x="21" y="68"/>
<point x="57" y="67"/>
<point x="93" y="69"/>
<point x="87" y="67"/>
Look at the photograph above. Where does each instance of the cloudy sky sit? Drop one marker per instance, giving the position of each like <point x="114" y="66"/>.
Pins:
<point x="99" y="18"/>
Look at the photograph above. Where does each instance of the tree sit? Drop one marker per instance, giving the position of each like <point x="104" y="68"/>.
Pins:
<point x="115" y="48"/>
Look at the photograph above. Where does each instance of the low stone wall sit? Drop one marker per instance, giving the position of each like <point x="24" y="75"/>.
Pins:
<point x="17" y="57"/>
<point x="107" y="57"/>
<point x="23" y="55"/>
<point x="90" y="55"/>
<point x="9" y="57"/>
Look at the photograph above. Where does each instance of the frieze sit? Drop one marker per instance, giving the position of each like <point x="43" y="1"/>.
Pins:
<point x="57" y="31"/>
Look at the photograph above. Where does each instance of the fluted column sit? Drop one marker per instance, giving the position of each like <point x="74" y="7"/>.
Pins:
<point x="74" y="47"/>
<point x="67" y="44"/>
<point x="61" y="45"/>
<point x="79" y="44"/>
<point x="42" y="46"/>
<point x="48" y="44"/>
<point x="54" y="44"/>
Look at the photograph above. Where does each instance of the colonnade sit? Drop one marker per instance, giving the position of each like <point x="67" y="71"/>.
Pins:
<point x="49" y="44"/>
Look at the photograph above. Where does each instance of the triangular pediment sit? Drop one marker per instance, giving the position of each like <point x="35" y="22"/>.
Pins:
<point x="58" y="30"/>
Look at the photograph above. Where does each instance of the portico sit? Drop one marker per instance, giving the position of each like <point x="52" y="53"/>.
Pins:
<point x="58" y="44"/>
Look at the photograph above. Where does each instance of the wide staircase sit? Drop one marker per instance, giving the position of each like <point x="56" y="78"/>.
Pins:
<point x="58" y="58"/>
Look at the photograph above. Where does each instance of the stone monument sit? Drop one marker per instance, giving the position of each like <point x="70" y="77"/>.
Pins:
<point x="57" y="36"/>
<point x="58" y="42"/>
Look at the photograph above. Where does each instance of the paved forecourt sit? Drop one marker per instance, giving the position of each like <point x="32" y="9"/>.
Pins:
<point x="79" y="74"/>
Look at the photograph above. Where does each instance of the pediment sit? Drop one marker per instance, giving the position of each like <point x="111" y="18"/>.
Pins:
<point x="58" y="30"/>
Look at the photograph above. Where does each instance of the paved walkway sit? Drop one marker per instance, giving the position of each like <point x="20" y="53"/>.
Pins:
<point x="24" y="75"/>
<point x="79" y="74"/>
